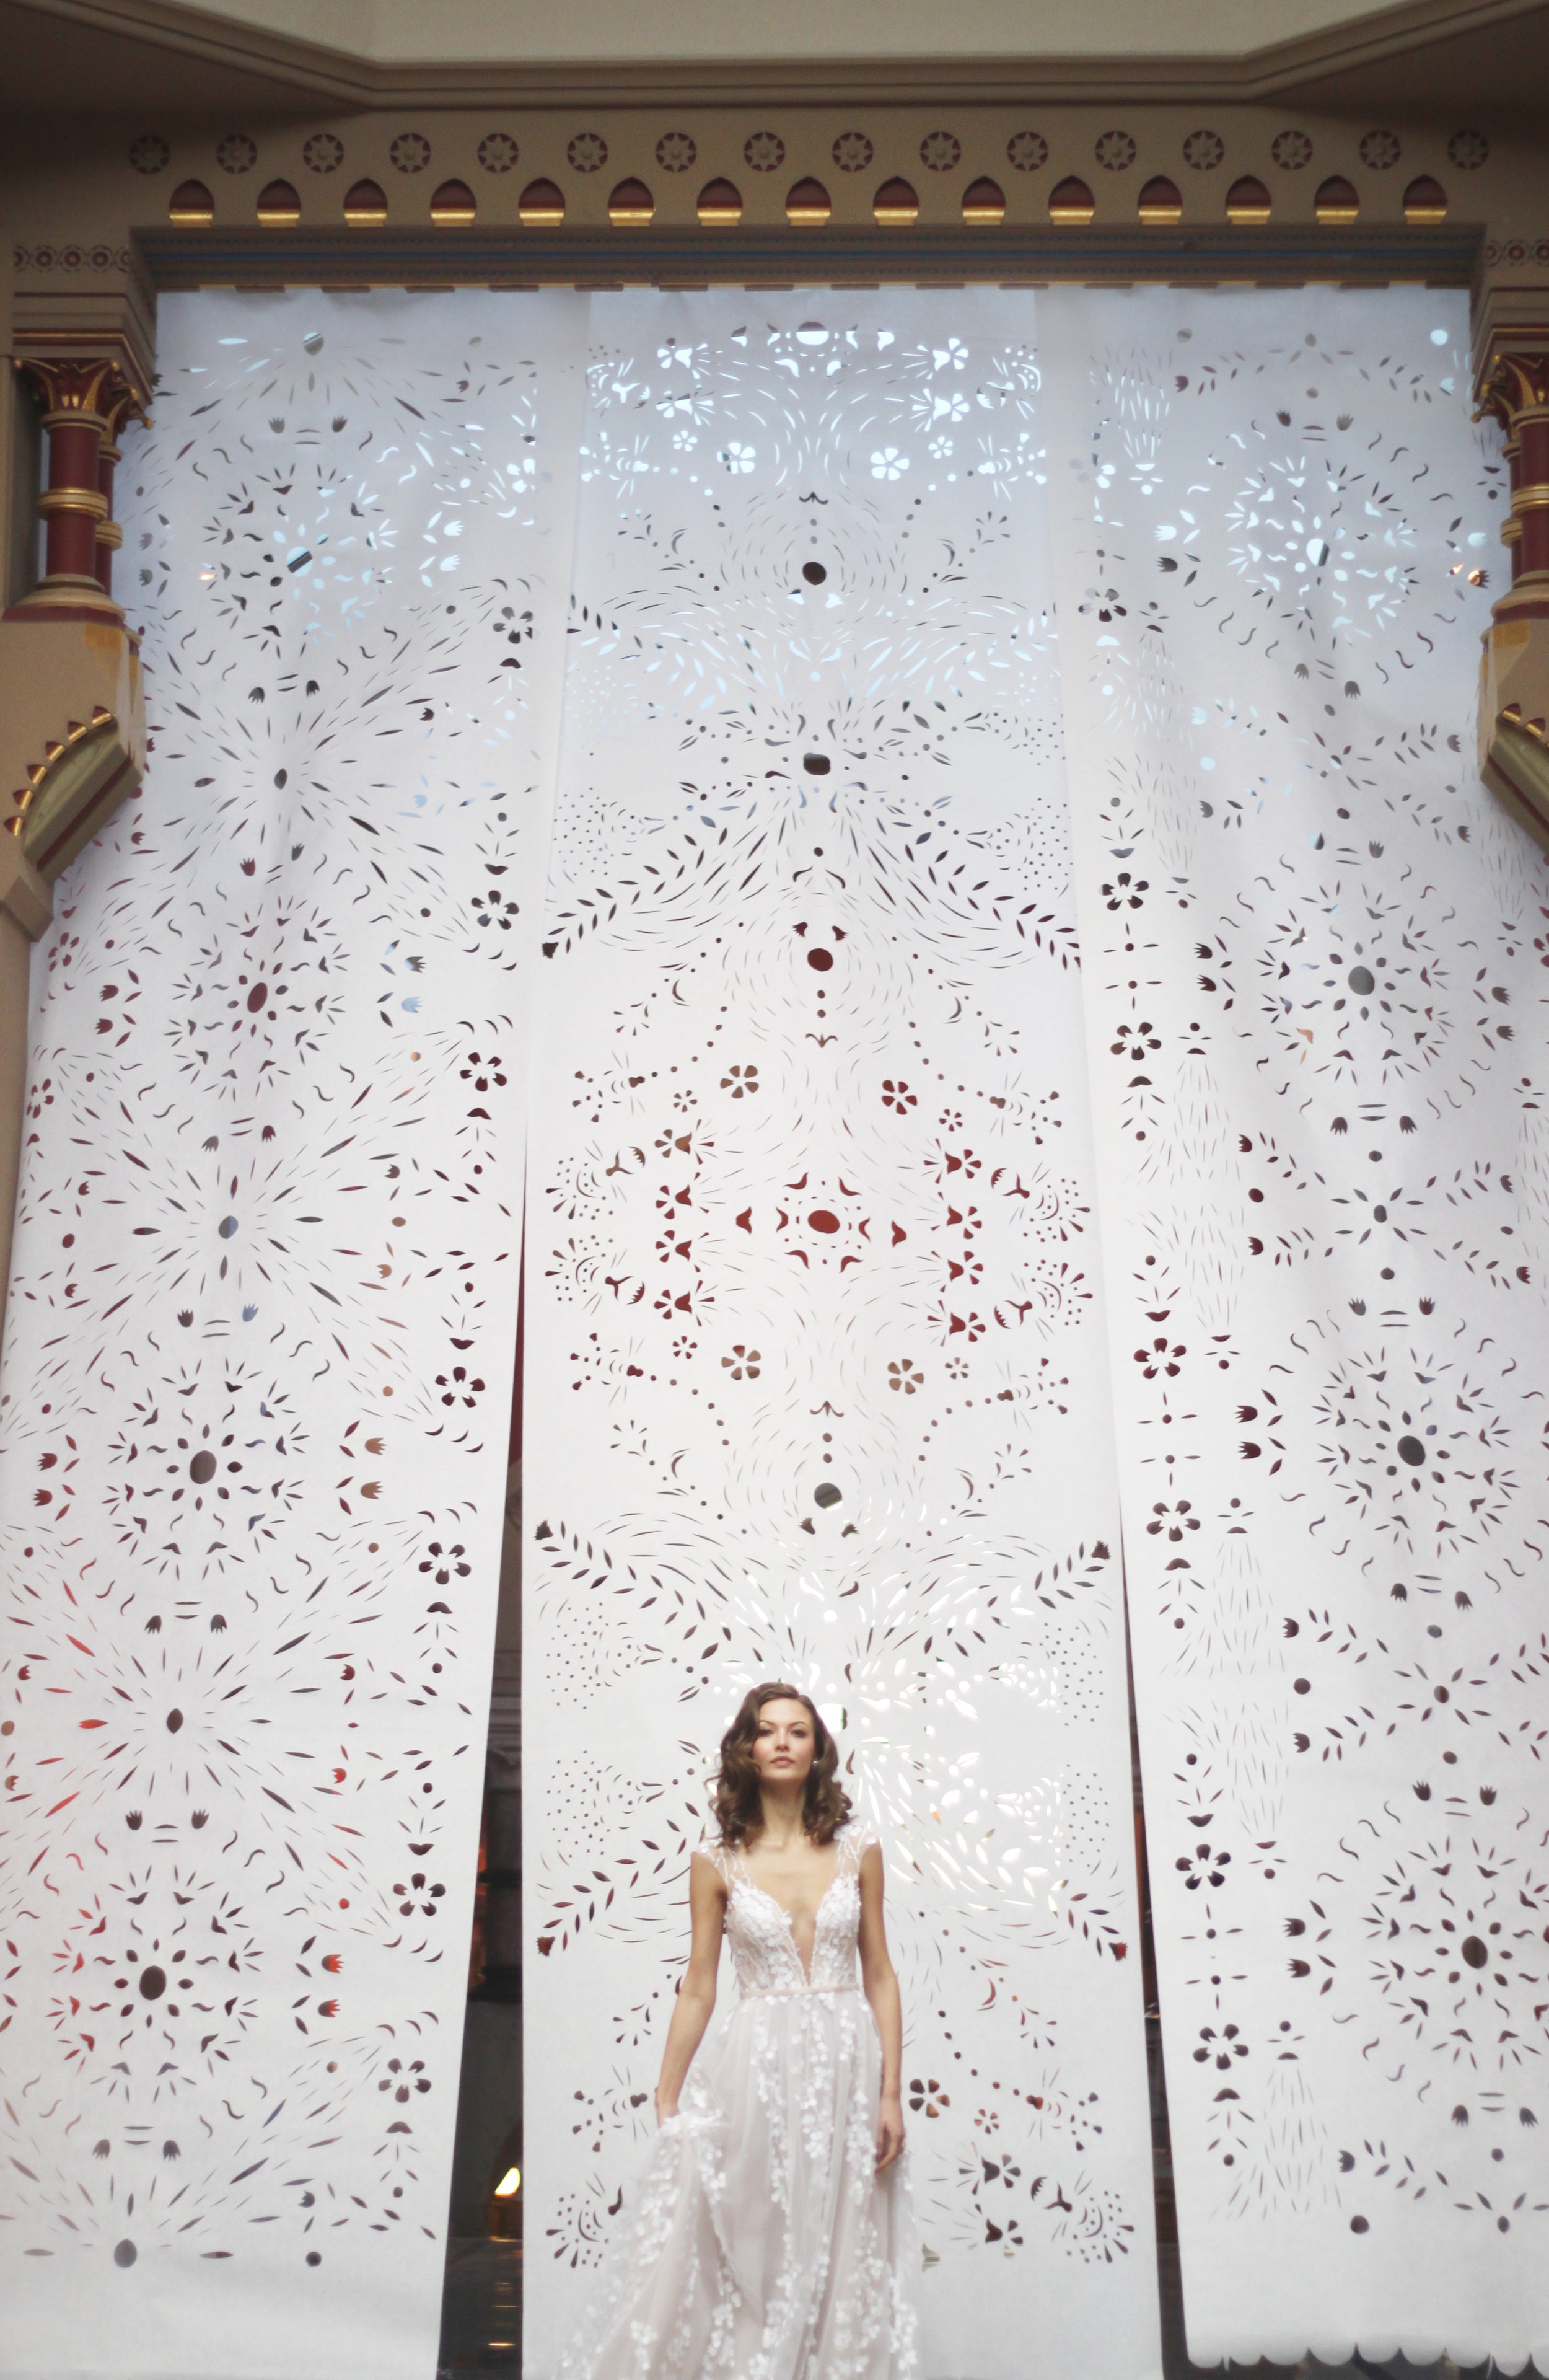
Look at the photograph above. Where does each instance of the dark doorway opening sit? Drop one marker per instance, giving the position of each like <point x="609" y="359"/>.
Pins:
<point x="481" y="2304"/>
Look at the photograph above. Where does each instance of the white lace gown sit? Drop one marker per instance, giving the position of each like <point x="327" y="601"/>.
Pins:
<point x="763" y="2245"/>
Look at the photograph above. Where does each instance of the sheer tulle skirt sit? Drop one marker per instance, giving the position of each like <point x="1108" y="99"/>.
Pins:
<point x="763" y="2246"/>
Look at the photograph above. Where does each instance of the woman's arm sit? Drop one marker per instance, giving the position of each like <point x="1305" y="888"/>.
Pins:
<point x="881" y="1989"/>
<point x="695" y="2001"/>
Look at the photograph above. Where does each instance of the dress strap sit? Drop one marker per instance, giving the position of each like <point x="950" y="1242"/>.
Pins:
<point x="854" y="1840"/>
<point x="719" y="1858"/>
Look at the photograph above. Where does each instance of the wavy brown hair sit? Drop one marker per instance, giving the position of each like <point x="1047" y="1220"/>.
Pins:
<point x="739" y="1808"/>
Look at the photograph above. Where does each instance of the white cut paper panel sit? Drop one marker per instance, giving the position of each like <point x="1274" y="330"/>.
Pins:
<point x="816" y="1383"/>
<point x="1316" y="994"/>
<point x="259" y="1346"/>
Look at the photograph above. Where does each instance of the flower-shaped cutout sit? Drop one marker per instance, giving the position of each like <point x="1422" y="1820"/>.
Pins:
<point x="1220" y="2047"/>
<point x="1116" y="152"/>
<point x="443" y="1564"/>
<point x="1206" y="1866"/>
<point x="416" y="1893"/>
<point x="1291" y="151"/>
<point x="1381" y="151"/>
<point x="1136" y="1041"/>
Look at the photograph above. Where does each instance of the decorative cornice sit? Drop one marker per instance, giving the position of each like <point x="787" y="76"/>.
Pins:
<point x="352" y="80"/>
<point x="833" y="254"/>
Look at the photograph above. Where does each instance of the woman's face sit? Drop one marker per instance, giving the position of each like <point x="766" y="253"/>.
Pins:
<point x="785" y="1745"/>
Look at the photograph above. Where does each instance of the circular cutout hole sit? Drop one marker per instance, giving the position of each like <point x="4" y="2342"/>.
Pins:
<point x="201" y="1470"/>
<point x="826" y="1494"/>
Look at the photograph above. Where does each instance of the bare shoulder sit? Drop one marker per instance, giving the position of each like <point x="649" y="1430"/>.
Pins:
<point x="870" y="1862"/>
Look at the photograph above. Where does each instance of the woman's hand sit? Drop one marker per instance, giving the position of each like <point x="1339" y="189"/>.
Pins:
<point x="666" y="2108"/>
<point x="890" y="2133"/>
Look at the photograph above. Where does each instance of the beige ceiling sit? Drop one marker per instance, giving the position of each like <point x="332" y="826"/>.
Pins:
<point x="1490" y="57"/>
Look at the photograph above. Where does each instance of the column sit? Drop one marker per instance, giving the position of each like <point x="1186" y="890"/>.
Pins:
<point x="85" y="404"/>
<point x="1514" y="683"/>
<point x="122" y="406"/>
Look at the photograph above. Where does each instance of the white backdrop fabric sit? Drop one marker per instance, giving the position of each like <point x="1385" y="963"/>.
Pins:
<point x="816" y="1380"/>
<point x="258" y="1365"/>
<point x="1315" y="1005"/>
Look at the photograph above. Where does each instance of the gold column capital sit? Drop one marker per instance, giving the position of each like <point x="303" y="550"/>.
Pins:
<point x="1513" y="387"/>
<point x="96" y="391"/>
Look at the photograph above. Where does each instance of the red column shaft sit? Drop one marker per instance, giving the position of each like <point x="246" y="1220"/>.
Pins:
<point x="1533" y="481"/>
<point x="71" y="505"/>
<point x="109" y="534"/>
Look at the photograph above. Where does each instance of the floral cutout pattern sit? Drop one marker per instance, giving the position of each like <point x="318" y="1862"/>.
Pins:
<point x="273" y="1119"/>
<point x="1324" y="1185"/>
<point x="815" y="1370"/>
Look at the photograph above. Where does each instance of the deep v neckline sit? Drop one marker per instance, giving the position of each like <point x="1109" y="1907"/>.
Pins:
<point x="749" y="1884"/>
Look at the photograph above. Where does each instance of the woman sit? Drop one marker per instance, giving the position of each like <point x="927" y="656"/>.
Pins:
<point x="773" y="2238"/>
